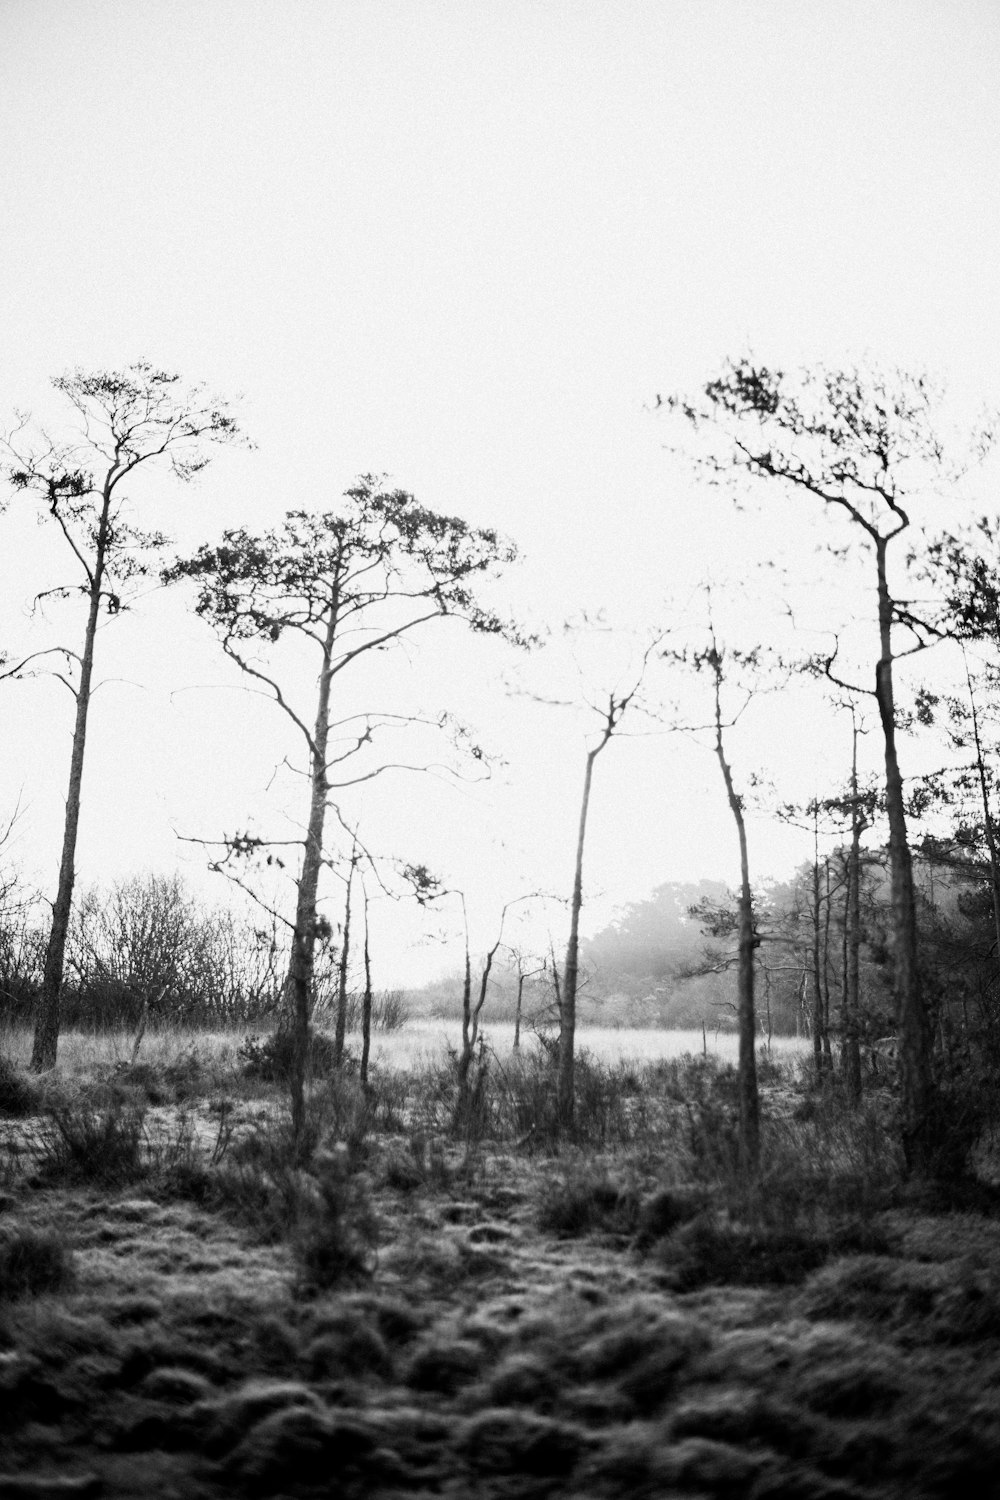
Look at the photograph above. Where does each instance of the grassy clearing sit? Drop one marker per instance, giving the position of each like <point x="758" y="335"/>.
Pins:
<point x="428" y="1301"/>
<point x="423" y="1042"/>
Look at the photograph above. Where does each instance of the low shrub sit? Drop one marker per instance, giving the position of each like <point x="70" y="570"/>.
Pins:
<point x="19" y="1096"/>
<point x="306" y="1191"/>
<point x="710" y="1100"/>
<point x="843" y="1161"/>
<point x="388" y="1094"/>
<point x="712" y="1252"/>
<point x="335" y="1230"/>
<point x="516" y="1101"/>
<point x="268" y="1059"/>
<point x="87" y="1142"/>
<point x="419" y="1162"/>
<point x="588" y="1201"/>
<point x="33" y="1261"/>
<point x="390" y="1011"/>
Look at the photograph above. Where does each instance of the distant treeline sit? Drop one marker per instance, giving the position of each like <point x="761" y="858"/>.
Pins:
<point x="147" y="950"/>
<point x="669" y="961"/>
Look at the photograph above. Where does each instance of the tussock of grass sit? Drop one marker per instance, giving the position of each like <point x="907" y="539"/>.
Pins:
<point x="713" y="1252"/>
<point x="955" y="1302"/>
<point x="19" y="1094"/>
<point x="33" y="1261"/>
<point x="307" y="1191"/>
<point x="586" y="1201"/>
<point x="268" y="1059"/>
<point x="445" y="1365"/>
<point x="512" y="1099"/>
<point x="499" y="1442"/>
<point x="173" y="1081"/>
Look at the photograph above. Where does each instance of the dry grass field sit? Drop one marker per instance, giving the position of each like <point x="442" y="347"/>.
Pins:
<point x="423" y="1305"/>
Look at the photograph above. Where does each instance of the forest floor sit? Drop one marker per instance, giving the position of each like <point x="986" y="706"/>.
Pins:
<point x="185" y="1312"/>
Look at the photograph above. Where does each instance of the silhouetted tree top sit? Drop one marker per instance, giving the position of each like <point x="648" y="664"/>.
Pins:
<point x="125" y="418"/>
<point x="856" y="438"/>
<point x="378" y="553"/>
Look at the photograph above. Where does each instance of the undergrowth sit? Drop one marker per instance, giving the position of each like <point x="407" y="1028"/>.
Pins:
<point x="33" y="1261"/>
<point x="308" y="1190"/>
<point x="19" y="1094"/>
<point x="85" y="1142"/>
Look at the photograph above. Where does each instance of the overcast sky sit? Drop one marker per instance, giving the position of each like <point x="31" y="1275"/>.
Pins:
<point x="466" y="245"/>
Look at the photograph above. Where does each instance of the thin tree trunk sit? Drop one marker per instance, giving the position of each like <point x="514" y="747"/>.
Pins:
<point x="918" y="1124"/>
<point x="567" y="1017"/>
<point x="852" y="988"/>
<point x="845" y="939"/>
<point x="517" y="1012"/>
<point x="817" y="1014"/>
<point x="340" y="1030"/>
<point x="468" y="1040"/>
<point x="366" y="1008"/>
<point x="470" y="1034"/>
<point x="46" y="1039"/>
<point x="556" y="986"/>
<point x="747" y="1022"/>
<point x="827" y="1052"/>
<point x="988" y="823"/>
<point x="298" y="985"/>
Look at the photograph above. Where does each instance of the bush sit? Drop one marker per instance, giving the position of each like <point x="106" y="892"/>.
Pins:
<point x="335" y="1229"/>
<point x="515" y="1100"/>
<point x="33" y="1261"/>
<point x="269" y="1059"/>
<point x="390" y="1012"/>
<point x="586" y="1202"/>
<point x="83" y="1142"/>
<point x="306" y="1191"/>
<point x="711" y="1113"/>
<point x="18" y="1095"/>
<point x="710" y="1252"/>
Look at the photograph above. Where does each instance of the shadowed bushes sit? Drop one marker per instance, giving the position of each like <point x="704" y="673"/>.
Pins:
<point x="86" y="1142"/>
<point x="19" y="1094"/>
<point x="587" y="1201"/>
<point x="33" y="1261"/>
<point x="513" y="1101"/>
<point x="707" y="1252"/>
<point x="268" y="1059"/>
<point x="308" y="1191"/>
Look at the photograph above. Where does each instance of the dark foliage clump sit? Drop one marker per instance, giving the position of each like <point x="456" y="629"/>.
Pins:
<point x="33" y="1261"/>
<point x="514" y="1100"/>
<point x="588" y="1201"/>
<point x="502" y="1442"/>
<point x="268" y="1059"/>
<point x="335" y="1227"/>
<point x="103" y="1144"/>
<point x="712" y="1252"/>
<point x="175" y="1082"/>
<point x="958" y="1303"/>
<point x="18" y="1095"/>
<point x="307" y="1190"/>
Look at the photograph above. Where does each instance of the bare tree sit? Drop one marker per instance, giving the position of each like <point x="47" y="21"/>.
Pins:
<point x="860" y="443"/>
<point x="125" y="419"/>
<point x="609" y="709"/>
<point x="347" y="584"/>
<point x="612" y="711"/>
<point x="521" y="959"/>
<point x="714" y="660"/>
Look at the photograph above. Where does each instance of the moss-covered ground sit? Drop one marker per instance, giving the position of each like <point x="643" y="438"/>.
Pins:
<point x="415" y="1306"/>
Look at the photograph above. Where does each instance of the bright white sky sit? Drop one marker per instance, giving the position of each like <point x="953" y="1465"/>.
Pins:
<point x="466" y="244"/>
